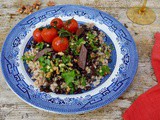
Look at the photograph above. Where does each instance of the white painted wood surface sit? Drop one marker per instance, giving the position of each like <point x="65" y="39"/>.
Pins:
<point x="12" y="108"/>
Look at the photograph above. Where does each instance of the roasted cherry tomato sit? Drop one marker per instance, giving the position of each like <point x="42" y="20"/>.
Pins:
<point x="60" y="44"/>
<point x="71" y="25"/>
<point x="37" y="35"/>
<point x="57" y="23"/>
<point x="48" y="34"/>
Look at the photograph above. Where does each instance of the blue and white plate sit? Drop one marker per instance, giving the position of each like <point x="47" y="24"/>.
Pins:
<point x="124" y="65"/>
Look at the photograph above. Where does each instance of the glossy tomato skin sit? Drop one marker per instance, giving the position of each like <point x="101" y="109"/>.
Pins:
<point x="71" y="25"/>
<point x="48" y="34"/>
<point x="37" y="35"/>
<point x="60" y="44"/>
<point x="57" y="23"/>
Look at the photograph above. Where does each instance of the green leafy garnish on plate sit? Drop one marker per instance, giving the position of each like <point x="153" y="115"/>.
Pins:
<point x="40" y="45"/>
<point x="66" y="59"/>
<point x="111" y="46"/>
<point x="104" y="70"/>
<point x="80" y="42"/>
<point x="45" y="64"/>
<point x="27" y="58"/>
<point x="90" y="36"/>
<point x="108" y="54"/>
<point x="64" y="33"/>
<point x="83" y="81"/>
<point x="69" y="76"/>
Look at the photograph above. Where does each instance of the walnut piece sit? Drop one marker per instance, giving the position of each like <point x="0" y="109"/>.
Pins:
<point x="21" y="9"/>
<point x="51" y="3"/>
<point x="36" y="5"/>
<point x="26" y="9"/>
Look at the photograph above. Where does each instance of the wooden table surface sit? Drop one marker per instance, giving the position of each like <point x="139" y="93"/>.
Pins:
<point x="12" y="108"/>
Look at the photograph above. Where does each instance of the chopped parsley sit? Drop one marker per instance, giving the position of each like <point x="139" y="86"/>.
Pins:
<point x="83" y="81"/>
<point x="40" y="45"/>
<point x="64" y="33"/>
<point x="111" y="46"/>
<point x="104" y="70"/>
<point x="94" y="47"/>
<point x="108" y="54"/>
<point x="90" y="36"/>
<point x="69" y="77"/>
<point x="56" y="60"/>
<point x="80" y="42"/>
<point x="66" y="59"/>
<point x="45" y="64"/>
<point x="27" y="58"/>
<point x="76" y="44"/>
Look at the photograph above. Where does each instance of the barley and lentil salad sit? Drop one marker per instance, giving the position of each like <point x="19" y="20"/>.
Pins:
<point x="67" y="58"/>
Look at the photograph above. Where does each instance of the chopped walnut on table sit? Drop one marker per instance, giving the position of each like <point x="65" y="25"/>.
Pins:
<point x="27" y="9"/>
<point x="51" y="3"/>
<point x="36" y="4"/>
<point x="21" y="9"/>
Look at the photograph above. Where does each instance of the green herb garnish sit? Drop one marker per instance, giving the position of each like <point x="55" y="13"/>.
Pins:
<point x="74" y="50"/>
<point x="108" y="54"/>
<point x="66" y="59"/>
<point x="40" y="45"/>
<point x="104" y="70"/>
<point x="64" y="33"/>
<point x="94" y="47"/>
<point x="41" y="59"/>
<point x="111" y="46"/>
<point x="72" y="89"/>
<point x="27" y="58"/>
<point x="90" y="36"/>
<point x="77" y="82"/>
<point x="45" y="64"/>
<point x="83" y="81"/>
<point x="76" y="44"/>
<point x="80" y="42"/>
<point x="56" y="61"/>
<point x="69" y="77"/>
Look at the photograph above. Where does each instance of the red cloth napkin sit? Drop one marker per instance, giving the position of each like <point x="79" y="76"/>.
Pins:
<point x="156" y="57"/>
<point x="147" y="105"/>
